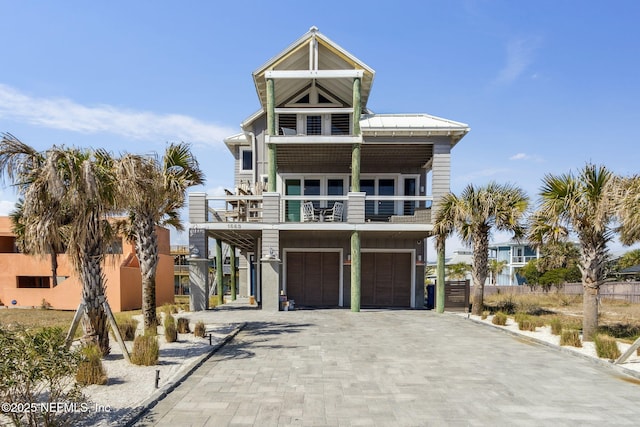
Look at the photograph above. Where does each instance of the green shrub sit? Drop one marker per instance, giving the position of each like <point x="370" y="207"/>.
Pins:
<point x="145" y="350"/>
<point x="183" y="325"/>
<point x="499" y="319"/>
<point x="90" y="369"/>
<point x="606" y="346"/>
<point x="170" y="330"/>
<point x="36" y="367"/>
<point x="556" y="326"/>
<point x="570" y="337"/>
<point x="199" y="330"/>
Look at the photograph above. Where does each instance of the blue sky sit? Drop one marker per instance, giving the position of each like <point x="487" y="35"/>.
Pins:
<point x="546" y="86"/>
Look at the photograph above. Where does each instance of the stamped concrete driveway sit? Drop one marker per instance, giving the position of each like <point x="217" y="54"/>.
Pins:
<point x="392" y="368"/>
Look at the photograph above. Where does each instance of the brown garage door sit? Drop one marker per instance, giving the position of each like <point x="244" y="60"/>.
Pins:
<point x="386" y="279"/>
<point x="313" y="278"/>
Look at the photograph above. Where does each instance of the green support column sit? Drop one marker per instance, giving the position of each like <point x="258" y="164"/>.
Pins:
<point x="357" y="107"/>
<point x="219" y="272"/>
<point x="271" y="130"/>
<point x="234" y="289"/>
<point x="355" y="168"/>
<point x="440" y="279"/>
<point x="355" y="271"/>
<point x="355" y="150"/>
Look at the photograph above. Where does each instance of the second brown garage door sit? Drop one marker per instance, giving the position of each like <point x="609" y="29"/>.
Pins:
<point x="313" y="278"/>
<point x="386" y="279"/>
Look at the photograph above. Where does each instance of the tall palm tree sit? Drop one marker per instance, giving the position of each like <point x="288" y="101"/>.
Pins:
<point x="473" y="215"/>
<point x="495" y="268"/>
<point x="57" y="185"/>
<point x="153" y="192"/>
<point x="582" y="204"/>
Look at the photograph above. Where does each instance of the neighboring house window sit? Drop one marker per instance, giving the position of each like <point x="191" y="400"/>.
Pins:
<point x="33" y="282"/>
<point x="246" y="160"/>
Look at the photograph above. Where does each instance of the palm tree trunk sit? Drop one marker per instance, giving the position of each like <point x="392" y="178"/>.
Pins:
<point x="479" y="270"/>
<point x="147" y="252"/>
<point x="54" y="268"/>
<point x="592" y="258"/>
<point x="93" y="290"/>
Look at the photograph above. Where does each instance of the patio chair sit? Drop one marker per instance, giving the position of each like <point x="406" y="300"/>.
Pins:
<point x="288" y="131"/>
<point x="308" y="212"/>
<point x="335" y="213"/>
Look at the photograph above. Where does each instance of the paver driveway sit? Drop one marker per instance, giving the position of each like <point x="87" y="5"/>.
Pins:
<point x="392" y="368"/>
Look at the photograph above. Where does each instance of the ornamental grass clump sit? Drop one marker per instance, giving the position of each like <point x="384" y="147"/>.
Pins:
<point x="570" y="337"/>
<point x="90" y="369"/>
<point x="606" y="346"/>
<point x="485" y="314"/>
<point x="526" y="323"/>
<point x="170" y="330"/>
<point x="183" y="325"/>
<point x="199" y="330"/>
<point x="556" y="326"/>
<point x="146" y="350"/>
<point x="499" y="319"/>
<point x="127" y="327"/>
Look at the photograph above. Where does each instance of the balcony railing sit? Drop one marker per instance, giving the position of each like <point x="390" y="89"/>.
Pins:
<point x="325" y="208"/>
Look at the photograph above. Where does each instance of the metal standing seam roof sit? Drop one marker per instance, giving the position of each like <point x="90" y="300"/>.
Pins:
<point x="409" y="122"/>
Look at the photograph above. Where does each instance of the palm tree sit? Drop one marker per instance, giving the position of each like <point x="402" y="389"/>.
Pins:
<point x="458" y="270"/>
<point x="153" y="192"/>
<point x="56" y="186"/>
<point x="583" y="204"/>
<point x="473" y="216"/>
<point x="628" y="209"/>
<point x="495" y="268"/>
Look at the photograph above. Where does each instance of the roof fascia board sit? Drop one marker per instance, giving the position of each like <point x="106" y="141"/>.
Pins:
<point x="313" y="74"/>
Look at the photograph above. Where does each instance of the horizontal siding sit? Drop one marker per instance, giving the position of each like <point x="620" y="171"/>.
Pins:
<point x="197" y="208"/>
<point x="270" y="241"/>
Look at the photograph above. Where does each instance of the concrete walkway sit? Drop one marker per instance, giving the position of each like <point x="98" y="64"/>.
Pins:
<point x="392" y="368"/>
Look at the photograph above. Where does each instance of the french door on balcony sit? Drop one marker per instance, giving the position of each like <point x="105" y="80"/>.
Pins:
<point x="311" y="186"/>
<point x="378" y="187"/>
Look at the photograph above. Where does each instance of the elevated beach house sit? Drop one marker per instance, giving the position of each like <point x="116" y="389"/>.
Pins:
<point x="332" y="203"/>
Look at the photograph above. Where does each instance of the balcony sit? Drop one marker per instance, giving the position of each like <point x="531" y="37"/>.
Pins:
<point x="317" y="125"/>
<point x="323" y="209"/>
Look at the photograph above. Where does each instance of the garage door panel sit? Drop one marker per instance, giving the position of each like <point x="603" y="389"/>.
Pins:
<point x="313" y="278"/>
<point x="386" y="279"/>
<point x="331" y="278"/>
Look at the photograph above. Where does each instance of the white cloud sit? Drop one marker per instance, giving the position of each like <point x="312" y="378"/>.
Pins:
<point x="519" y="57"/>
<point x="65" y="114"/>
<point x="525" y="156"/>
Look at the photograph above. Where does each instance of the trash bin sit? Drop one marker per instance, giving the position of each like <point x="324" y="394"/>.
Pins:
<point x="431" y="297"/>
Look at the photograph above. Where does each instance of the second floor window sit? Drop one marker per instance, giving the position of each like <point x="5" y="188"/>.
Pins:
<point x="246" y="159"/>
